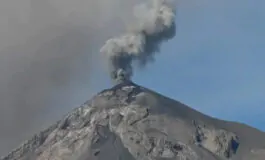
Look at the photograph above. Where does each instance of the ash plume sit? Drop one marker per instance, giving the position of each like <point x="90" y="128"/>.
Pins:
<point x="154" y="23"/>
<point x="49" y="59"/>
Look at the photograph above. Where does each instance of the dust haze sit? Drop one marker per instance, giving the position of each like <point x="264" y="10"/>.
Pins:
<point x="47" y="48"/>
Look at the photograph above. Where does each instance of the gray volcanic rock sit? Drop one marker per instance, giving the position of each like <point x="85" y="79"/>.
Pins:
<point x="129" y="122"/>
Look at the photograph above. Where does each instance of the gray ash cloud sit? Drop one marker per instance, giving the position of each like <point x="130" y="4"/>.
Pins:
<point x="154" y="23"/>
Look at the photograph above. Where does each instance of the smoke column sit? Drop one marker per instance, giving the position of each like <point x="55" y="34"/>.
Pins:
<point x="153" y="24"/>
<point x="49" y="53"/>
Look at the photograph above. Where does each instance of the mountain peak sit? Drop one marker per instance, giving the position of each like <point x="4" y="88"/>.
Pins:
<point x="125" y="83"/>
<point x="129" y="122"/>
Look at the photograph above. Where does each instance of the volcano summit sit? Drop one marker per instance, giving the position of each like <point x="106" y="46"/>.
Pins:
<point x="130" y="122"/>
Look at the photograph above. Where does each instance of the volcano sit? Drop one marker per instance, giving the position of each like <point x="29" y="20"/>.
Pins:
<point x="130" y="122"/>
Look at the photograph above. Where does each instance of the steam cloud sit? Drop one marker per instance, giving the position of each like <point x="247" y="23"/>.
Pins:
<point x="154" y="23"/>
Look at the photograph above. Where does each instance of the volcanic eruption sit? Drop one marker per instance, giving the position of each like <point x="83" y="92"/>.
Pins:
<point x="154" y="23"/>
<point x="131" y="122"/>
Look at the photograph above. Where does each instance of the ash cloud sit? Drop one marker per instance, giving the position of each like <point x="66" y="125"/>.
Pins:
<point x="48" y="49"/>
<point x="153" y="24"/>
<point x="49" y="52"/>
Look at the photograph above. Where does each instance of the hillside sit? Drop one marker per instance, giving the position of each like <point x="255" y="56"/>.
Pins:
<point x="130" y="122"/>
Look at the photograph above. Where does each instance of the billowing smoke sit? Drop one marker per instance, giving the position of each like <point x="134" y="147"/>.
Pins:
<point x="49" y="48"/>
<point x="153" y="24"/>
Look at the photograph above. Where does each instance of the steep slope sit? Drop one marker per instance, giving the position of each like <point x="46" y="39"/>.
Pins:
<point x="129" y="122"/>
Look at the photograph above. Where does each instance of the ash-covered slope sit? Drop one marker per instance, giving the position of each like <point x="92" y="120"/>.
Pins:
<point x="129" y="122"/>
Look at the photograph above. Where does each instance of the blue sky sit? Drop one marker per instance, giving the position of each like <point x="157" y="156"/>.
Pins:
<point x="215" y="63"/>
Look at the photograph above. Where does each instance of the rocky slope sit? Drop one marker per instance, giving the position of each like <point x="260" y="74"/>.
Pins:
<point x="129" y="122"/>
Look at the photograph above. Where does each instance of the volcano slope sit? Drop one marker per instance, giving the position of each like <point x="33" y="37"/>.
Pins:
<point x="129" y="122"/>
